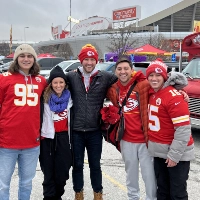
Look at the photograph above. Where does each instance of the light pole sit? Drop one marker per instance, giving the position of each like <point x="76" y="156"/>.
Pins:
<point x="25" y="33"/>
<point x="70" y="7"/>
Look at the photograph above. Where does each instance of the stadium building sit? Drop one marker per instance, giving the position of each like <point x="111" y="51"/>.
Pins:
<point x="174" y="23"/>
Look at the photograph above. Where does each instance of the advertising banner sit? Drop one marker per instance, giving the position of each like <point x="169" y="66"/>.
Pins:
<point x="126" y="14"/>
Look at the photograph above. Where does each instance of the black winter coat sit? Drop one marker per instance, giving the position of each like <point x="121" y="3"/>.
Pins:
<point x="87" y="105"/>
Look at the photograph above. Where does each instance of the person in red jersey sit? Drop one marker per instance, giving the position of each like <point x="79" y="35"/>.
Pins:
<point x="20" y="91"/>
<point x="133" y="144"/>
<point x="55" y="149"/>
<point x="170" y="140"/>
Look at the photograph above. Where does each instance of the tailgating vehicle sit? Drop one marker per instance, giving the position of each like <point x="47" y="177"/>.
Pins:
<point x="106" y="66"/>
<point x="69" y="65"/>
<point x="191" y="44"/>
<point x="6" y="60"/>
<point x="47" y="63"/>
<point x="66" y="66"/>
<point x="4" y="67"/>
<point x="110" y="66"/>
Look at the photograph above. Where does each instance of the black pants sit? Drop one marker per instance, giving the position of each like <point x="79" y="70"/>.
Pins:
<point x="55" y="161"/>
<point x="171" y="181"/>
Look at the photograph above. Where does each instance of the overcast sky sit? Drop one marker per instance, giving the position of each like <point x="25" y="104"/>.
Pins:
<point x="39" y="15"/>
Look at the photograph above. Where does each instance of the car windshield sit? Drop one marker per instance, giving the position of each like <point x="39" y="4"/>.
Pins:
<point x="141" y="66"/>
<point x="65" y="64"/>
<point x="102" y="66"/>
<point x="192" y="70"/>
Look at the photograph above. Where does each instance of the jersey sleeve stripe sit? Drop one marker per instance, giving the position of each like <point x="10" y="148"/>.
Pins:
<point x="180" y="119"/>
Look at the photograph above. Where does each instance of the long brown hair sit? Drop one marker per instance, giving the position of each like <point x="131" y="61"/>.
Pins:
<point x="34" y="70"/>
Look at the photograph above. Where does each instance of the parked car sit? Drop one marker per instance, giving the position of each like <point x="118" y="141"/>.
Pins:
<point x="46" y="64"/>
<point x="106" y="66"/>
<point x="5" y="60"/>
<point x="110" y="66"/>
<point x="67" y="66"/>
<point x="4" y="67"/>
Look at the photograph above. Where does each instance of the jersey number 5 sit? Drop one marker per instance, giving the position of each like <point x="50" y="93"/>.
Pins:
<point x="154" y="122"/>
<point x="26" y="94"/>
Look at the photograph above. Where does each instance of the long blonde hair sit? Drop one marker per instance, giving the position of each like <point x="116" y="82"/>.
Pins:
<point x="47" y="93"/>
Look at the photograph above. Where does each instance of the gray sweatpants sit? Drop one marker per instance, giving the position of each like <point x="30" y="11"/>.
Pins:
<point x="133" y="154"/>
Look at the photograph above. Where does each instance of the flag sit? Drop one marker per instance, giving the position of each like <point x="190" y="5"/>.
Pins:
<point x="11" y="39"/>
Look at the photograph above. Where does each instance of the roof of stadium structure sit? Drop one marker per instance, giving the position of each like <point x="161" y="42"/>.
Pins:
<point x="177" y="18"/>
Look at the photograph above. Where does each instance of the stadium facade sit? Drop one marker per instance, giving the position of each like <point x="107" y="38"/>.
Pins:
<point x="174" y="23"/>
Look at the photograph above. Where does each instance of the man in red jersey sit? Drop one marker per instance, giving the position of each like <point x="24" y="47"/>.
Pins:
<point x="20" y="91"/>
<point x="170" y="140"/>
<point x="134" y="141"/>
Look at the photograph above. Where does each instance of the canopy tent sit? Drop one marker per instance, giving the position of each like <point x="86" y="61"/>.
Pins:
<point x="148" y="50"/>
<point x="10" y="56"/>
<point x="46" y="55"/>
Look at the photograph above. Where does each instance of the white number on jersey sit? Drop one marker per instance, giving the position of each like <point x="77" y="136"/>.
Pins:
<point x="174" y="92"/>
<point x="26" y="92"/>
<point x="154" y="125"/>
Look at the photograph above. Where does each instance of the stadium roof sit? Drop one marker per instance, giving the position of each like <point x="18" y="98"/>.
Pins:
<point x="177" y="18"/>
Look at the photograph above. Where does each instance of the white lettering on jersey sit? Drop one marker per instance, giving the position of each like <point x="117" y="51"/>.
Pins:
<point x="130" y="105"/>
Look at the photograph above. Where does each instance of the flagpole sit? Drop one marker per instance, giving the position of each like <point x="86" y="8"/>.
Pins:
<point x="10" y="39"/>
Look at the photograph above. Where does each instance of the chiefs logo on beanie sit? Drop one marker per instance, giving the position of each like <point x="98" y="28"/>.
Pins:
<point x="157" y="66"/>
<point x="88" y="51"/>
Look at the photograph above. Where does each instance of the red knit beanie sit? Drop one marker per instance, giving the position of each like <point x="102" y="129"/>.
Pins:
<point x="157" y="66"/>
<point x="88" y="51"/>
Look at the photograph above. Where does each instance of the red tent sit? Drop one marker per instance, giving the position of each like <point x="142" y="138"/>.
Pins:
<point x="148" y="50"/>
<point x="10" y="56"/>
<point x="45" y="55"/>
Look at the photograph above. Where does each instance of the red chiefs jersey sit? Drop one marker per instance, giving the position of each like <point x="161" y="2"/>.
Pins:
<point x="20" y="110"/>
<point x="133" y="125"/>
<point x="167" y="110"/>
<point x="61" y="121"/>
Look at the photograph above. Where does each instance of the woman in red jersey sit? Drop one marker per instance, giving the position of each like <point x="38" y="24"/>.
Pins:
<point x="170" y="140"/>
<point x="20" y="91"/>
<point x="55" y="150"/>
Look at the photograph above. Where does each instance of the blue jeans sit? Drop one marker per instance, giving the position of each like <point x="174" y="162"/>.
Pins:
<point x="27" y="162"/>
<point x="92" y="141"/>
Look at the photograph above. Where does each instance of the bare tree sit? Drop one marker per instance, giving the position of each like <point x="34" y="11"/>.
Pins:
<point x="4" y="49"/>
<point x="159" y="41"/>
<point x="65" y="51"/>
<point x="48" y="49"/>
<point x="121" y="40"/>
<point x="59" y="50"/>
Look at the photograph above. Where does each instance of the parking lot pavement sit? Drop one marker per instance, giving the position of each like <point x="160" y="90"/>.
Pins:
<point x="113" y="178"/>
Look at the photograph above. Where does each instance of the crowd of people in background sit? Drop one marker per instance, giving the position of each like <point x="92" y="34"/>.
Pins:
<point x="56" y="120"/>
